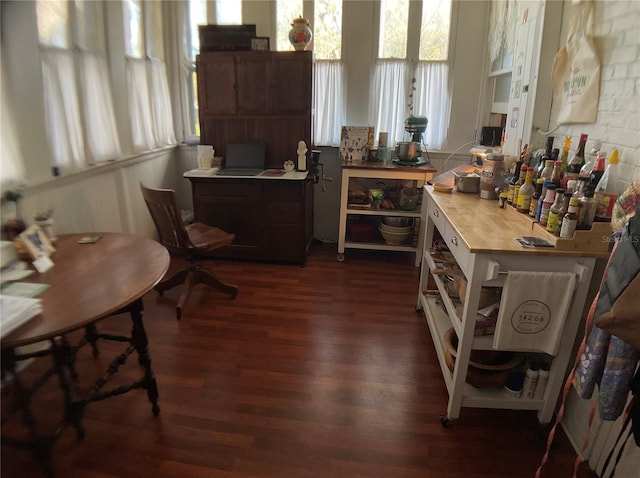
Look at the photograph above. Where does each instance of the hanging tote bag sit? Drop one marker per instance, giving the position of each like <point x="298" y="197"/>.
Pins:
<point x="575" y="74"/>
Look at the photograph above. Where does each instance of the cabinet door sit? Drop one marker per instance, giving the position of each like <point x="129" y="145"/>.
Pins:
<point x="254" y="83"/>
<point x="292" y="77"/>
<point x="216" y="83"/>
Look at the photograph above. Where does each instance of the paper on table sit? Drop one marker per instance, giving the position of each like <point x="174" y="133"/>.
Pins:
<point x="15" y="311"/>
<point x="23" y="289"/>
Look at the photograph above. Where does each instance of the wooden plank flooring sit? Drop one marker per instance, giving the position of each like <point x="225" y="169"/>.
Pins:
<point x="321" y="371"/>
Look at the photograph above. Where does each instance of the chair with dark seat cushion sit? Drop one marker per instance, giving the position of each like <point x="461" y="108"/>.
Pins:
<point x="186" y="242"/>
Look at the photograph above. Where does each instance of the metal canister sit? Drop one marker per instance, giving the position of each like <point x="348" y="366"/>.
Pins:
<point x="492" y="175"/>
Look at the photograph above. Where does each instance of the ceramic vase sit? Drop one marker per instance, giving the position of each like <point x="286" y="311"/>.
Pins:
<point x="300" y="34"/>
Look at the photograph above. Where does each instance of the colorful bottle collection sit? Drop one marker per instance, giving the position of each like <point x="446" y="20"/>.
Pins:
<point x="545" y="187"/>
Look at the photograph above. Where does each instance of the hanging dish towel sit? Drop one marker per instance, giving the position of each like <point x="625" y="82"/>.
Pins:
<point x="533" y="309"/>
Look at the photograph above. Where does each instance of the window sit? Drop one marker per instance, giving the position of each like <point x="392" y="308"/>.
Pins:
<point x="148" y="89"/>
<point x="328" y="95"/>
<point x="411" y="73"/>
<point x="76" y="84"/>
<point x="394" y="18"/>
<point x="286" y="12"/>
<point x="228" y="12"/>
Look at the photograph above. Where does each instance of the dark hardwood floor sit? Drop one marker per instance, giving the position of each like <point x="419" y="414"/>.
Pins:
<point x="321" y="371"/>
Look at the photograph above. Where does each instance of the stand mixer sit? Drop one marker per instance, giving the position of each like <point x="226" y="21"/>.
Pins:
<point x="410" y="153"/>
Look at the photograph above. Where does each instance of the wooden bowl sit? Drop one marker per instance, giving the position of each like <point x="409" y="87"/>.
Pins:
<point x="487" y="368"/>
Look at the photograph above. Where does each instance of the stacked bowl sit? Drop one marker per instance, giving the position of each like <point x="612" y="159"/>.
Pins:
<point x="395" y="235"/>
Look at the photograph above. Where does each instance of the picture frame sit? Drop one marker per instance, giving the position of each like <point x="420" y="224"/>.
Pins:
<point x="37" y="242"/>
<point x="260" y="44"/>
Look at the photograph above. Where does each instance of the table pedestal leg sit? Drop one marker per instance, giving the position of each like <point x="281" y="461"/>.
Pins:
<point x="140" y="342"/>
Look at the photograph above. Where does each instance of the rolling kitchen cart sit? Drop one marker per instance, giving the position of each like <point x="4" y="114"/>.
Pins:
<point x="480" y="236"/>
<point x="382" y="171"/>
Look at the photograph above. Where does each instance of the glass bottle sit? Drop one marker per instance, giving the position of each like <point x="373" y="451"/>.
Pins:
<point x="566" y="197"/>
<point x="564" y="158"/>
<point x="570" y="220"/>
<point x="548" y="169"/>
<point x="543" y="195"/>
<point x="514" y="180"/>
<point x="547" y="203"/>
<point x="587" y="209"/>
<point x="577" y="161"/>
<point x="535" y="197"/>
<point x="555" y="174"/>
<point x="603" y="194"/>
<point x="525" y="192"/>
<point x="598" y="170"/>
<point x="587" y="167"/>
<point x="518" y="185"/>
<point x="554" y="210"/>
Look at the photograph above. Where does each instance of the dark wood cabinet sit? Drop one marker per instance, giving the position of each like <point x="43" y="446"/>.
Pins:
<point x="271" y="218"/>
<point x="256" y="96"/>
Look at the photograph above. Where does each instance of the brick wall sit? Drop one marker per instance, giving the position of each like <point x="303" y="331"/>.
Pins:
<point x="616" y="30"/>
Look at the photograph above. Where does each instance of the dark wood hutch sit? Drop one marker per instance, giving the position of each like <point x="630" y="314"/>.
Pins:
<point x="257" y="96"/>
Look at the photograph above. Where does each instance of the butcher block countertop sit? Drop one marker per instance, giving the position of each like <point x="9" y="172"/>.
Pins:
<point x="484" y="227"/>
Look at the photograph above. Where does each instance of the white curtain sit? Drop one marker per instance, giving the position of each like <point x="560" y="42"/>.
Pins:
<point x="11" y="166"/>
<point x="64" y="127"/>
<point x="160" y="104"/>
<point x="328" y="102"/>
<point x="102" y="134"/>
<point x="390" y="98"/>
<point x="142" y="132"/>
<point x="431" y="99"/>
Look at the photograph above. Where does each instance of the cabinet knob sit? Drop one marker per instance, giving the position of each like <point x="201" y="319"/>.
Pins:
<point x="454" y="240"/>
<point x="436" y="213"/>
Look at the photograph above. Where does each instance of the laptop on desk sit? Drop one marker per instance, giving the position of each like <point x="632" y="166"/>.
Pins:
<point x="244" y="159"/>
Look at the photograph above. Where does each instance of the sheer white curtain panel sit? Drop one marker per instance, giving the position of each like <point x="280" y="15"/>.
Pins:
<point x="64" y="126"/>
<point x="102" y="134"/>
<point x="11" y="166"/>
<point x="328" y="101"/>
<point x="139" y="105"/>
<point x="431" y="99"/>
<point x="390" y="98"/>
<point x="161" y="104"/>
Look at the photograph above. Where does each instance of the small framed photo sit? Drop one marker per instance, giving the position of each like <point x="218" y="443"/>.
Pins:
<point x="37" y="242"/>
<point x="260" y="44"/>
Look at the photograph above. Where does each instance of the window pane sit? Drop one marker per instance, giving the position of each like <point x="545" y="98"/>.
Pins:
<point x="53" y="21"/>
<point x="89" y="25"/>
<point x="394" y="22"/>
<point x="327" y="29"/>
<point x="228" y="12"/>
<point x="197" y="16"/>
<point x="153" y="30"/>
<point x="133" y="28"/>
<point x="286" y="12"/>
<point x="434" y="32"/>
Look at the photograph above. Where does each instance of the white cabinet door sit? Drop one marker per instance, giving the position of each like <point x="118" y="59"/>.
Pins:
<point x="529" y="107"/>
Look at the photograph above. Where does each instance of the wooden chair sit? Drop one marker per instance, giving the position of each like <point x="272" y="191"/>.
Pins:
<point x="190" y="242"/>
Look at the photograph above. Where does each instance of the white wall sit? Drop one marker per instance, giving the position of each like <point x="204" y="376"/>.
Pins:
<point x="617" y="41"/>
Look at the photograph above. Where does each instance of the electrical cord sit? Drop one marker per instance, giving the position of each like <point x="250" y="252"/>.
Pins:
<point x="451" y="155"/>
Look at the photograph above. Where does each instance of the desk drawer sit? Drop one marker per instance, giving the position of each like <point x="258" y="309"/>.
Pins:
<point x="457" y="247"/>
<point x="434" y="212"/>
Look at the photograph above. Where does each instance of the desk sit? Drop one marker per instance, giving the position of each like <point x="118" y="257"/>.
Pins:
<point x="271" y="216"/>
<point x="89" y="282"/>
<point x="382" y="171"/>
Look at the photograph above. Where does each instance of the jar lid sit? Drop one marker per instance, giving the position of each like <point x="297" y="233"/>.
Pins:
<point x="300" y="20"/>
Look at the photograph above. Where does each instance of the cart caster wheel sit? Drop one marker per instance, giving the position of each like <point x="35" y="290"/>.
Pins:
<point x="446" y="422"/>
<point x="340" y="257"/>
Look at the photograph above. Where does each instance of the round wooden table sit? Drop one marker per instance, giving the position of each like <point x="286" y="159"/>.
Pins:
<point x="88" y="282"/>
